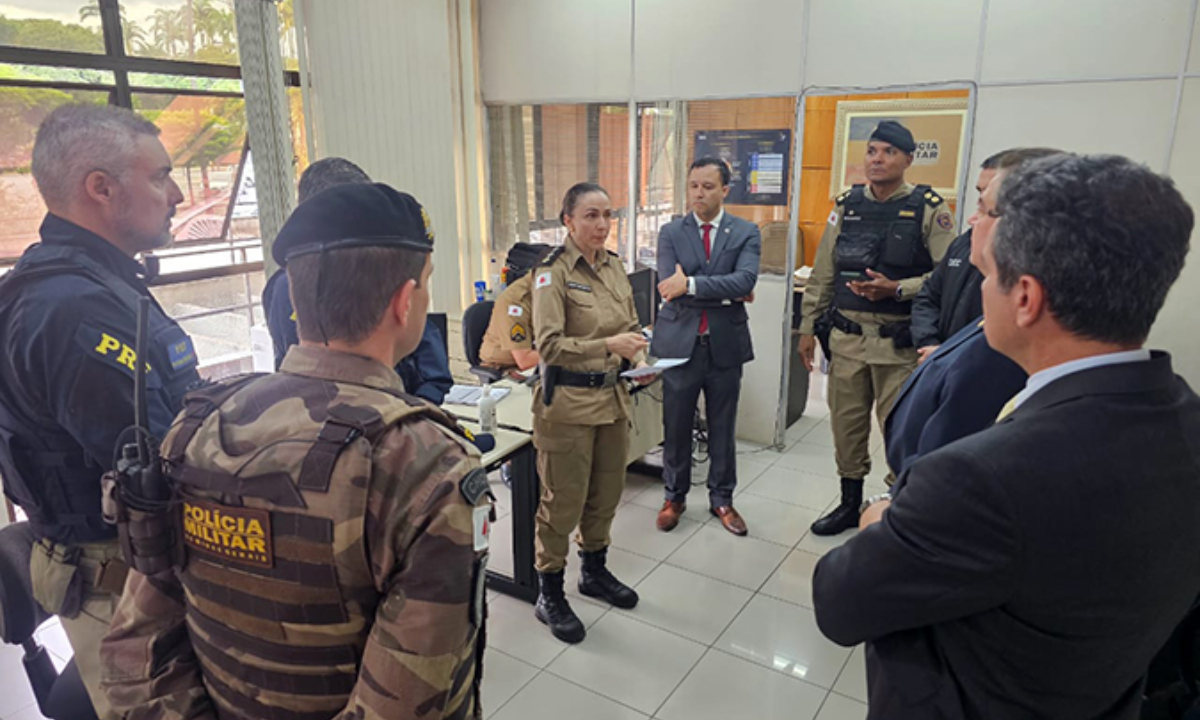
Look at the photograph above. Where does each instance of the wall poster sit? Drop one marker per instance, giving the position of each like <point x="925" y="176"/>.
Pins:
<point x="939" y="127"/>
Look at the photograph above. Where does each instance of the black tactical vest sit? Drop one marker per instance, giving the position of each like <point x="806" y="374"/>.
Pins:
<point x="45" y="470"/>
<point x="885" y="237"/>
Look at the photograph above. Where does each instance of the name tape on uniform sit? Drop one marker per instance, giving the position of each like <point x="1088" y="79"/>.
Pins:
<point x="515" y="311"/>
<point x="579" y="286"/>
<point x="542" y="280"/>
<point x="238" y="534"/>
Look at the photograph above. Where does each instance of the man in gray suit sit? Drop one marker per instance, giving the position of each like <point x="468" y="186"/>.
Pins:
<point x="709" y="260"/>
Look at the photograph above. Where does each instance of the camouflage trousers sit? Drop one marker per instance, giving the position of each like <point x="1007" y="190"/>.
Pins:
<point x="582" y="470"/>
<point x="65" y="583"/>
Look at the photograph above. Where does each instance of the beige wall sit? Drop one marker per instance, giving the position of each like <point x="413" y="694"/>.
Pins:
<point x="384" y="78"/>
<point x="1178" y="327"/>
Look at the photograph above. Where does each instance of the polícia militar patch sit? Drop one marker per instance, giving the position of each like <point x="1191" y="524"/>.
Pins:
<point x="237" y="534"/>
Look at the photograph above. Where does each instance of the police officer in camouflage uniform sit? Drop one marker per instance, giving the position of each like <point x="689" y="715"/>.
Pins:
<point x="586" y="328"/>
<point x="68" y="319"/>
<point x="882" y="241"/>
<point x="335" y="528"/>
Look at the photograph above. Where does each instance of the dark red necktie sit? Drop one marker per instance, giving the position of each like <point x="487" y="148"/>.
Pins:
<point x="707" y="228"/>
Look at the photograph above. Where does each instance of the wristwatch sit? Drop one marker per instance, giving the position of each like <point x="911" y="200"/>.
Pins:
<point x="872" y="500"/>
<point x="899" y="292"/>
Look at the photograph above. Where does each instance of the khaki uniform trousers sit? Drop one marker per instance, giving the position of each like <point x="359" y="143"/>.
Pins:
<point x="582" y="470"/>
<point x="866" y="371"/>
<point x="67" y="588"/>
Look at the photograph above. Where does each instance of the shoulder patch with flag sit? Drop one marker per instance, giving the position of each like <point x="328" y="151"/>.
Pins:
<point x="515" y="311"/>
<point x="542" y="280"/>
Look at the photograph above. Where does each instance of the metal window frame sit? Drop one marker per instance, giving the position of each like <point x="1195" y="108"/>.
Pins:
<point x="120" y="91"/>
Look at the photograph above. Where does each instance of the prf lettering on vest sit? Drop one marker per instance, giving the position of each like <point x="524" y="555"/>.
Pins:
<point x="232" y="533"/>
<point x="126" y="356"/>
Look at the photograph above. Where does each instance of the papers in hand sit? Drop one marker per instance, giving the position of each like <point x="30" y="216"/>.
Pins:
<point x="470" y="394"/>
<point x="656" y="368"/>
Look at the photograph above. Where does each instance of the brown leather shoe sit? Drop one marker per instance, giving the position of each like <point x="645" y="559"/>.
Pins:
<point x="730" y="518"/>
<point x="668" y="517"/>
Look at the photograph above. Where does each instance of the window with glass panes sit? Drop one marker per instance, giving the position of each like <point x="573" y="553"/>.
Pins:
<point x="176" y="63"/>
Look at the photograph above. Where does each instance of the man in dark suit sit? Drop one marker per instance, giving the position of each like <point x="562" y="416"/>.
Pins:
<point x="950" y="300"/>
<point x="957" y="391"/>
<point x="961" y="385"/>
<point x="1033" y="569"/>
<point x="709" y="260"/>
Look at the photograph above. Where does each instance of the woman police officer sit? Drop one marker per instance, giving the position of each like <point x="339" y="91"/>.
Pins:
<point x="586" y="330"/>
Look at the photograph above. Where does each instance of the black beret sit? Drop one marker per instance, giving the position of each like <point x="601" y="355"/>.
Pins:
<point x="357" y="215"/>
<point x="893" y="133"/>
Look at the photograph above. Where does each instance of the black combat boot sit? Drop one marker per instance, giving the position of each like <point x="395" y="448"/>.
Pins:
<point x="552" y="609"/>
<point x="844" y="516"/>
<point x="596" y="581"/>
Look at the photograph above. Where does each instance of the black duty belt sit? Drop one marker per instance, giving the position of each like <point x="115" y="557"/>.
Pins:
<point x="588" y="380"/>
<point x="848" y="326"/>
<point x="845" y="324"/>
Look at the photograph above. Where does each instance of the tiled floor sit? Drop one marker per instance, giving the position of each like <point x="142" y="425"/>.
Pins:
<point x="16" y="696"/>
<point x="725" y="627"/>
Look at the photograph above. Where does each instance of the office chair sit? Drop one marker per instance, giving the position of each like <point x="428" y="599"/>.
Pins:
<point x="474" y="324"/>
<point x="59" y="697"/>
<point x="439" y="321"/>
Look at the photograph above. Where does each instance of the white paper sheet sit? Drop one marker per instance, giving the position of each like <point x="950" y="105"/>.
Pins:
<point x="656" y="368"/>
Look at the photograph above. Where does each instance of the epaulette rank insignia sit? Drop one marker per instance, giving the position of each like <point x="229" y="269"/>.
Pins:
<point x="552" y="256"/>
<point x="932" y="198"/>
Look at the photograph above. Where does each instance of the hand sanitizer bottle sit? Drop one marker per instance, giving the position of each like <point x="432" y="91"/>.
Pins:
<point x="487" y="411"/>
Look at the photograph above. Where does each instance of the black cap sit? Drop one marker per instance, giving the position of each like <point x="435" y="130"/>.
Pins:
<point x="893" y="133"/>
<point x="360" y="215"/>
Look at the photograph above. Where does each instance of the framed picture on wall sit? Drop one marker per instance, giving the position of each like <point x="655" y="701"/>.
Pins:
<point x="939" y="127"/>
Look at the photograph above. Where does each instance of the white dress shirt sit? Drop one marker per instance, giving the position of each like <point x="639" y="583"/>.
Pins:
<point x="712" y="238"/>
<point x="1041" y="379"/>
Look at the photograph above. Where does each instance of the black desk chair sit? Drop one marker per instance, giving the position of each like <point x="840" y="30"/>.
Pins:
<point x="440" y="322"/>
<point x="474" y="324"/>
<point x="59" y="697"/>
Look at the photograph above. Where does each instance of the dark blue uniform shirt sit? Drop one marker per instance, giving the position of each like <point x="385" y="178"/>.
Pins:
<point x="425" y="373"/>
<point x="68" y="320"/>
